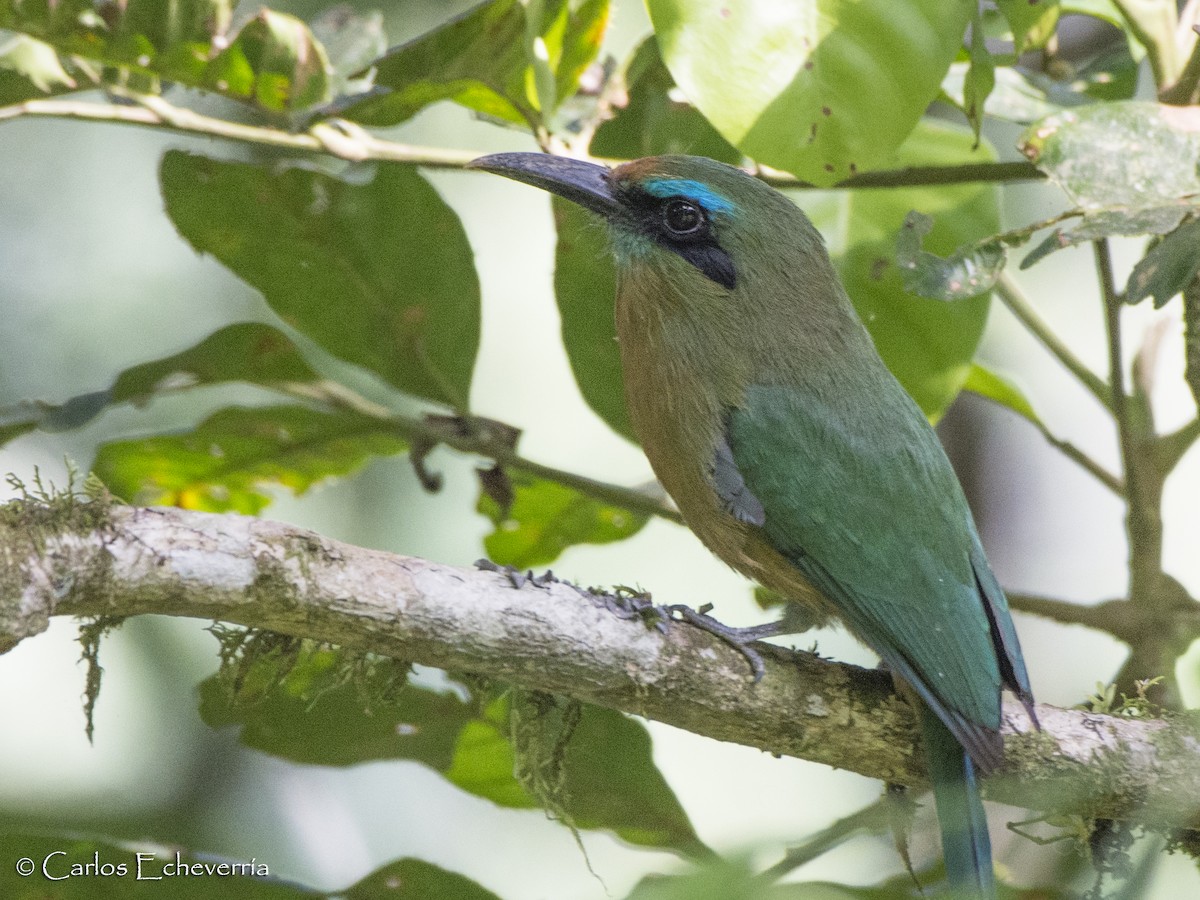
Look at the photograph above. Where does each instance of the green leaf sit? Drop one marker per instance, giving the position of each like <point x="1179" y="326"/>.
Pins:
<point x="656" y="120"/>
<point x="274" y="61"/>
<point x="1032" y="22"/>
<point x="928" y="344"/>
<point x="376" y="271"/>
<point x="819" y="88"/>
<point x="1168" y="268"/>
<point x="1105" y="10"/>
<point x="477" y="60"/>
<point x="546" y="517"/>
<point x="540" y="89"/>
<point x="226" y="461"/>
<point x="612" y="782"/>
<point x="1132" y="153"/>
<point x="734" y="880"/>
<point x="488" y="60"/>
<point x="329" y="706"/>
<point x="592" y="767"/>
<point x="967" y="272"/>
<point x="1115" y="221"/>
<point x="731" y="880"/>
<point x="141" y="35"/>
<point x="30" y="68"/>
<point x="484" y="761"/>
<point x="585" y="288"/>
<point x="106" y="867"/>
<point x="580" y="44"/>
<point x="248" y="351"/>
<point x="980" y="76"/>
<point x="1024" y="96"/>
<point x="999" y="389"/>
<point x="309" y="705"/>
<point x="415" y="879"/>
<point x="352" y="41"/>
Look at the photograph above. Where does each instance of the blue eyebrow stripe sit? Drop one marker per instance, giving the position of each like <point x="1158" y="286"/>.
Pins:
<point x="688" y="189"/>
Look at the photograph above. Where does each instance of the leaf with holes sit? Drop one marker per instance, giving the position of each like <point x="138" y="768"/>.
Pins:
<point x="967" y="272"/>
<point x="819" y="88"/>
<point x="1125" y="154"/>
<point x="376" y="271"/>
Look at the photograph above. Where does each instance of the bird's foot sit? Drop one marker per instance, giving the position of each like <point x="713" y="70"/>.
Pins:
<point x="631" y="603"/>
<point x="739" y="639"/>
<point x="516" y="577"/>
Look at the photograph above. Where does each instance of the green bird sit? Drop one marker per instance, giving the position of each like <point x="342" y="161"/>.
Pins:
<point x="793" y="452"/>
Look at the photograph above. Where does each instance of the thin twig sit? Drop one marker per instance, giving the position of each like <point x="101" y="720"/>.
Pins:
<point x="871" y="819"/>
<point x="627" y="498"/>
<point x="965" y="173"/>
<point x="1069" y="450"/>
<point x="345" y="140"/>
<point x="1091" y="466"/>
<point x="336" y="138"/>
<point x="1010" y="294"/>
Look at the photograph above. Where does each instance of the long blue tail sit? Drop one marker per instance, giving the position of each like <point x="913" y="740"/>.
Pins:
<point x="965" y="843"/>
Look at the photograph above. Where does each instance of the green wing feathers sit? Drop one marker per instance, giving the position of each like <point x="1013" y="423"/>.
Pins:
<point x="862" y="499"/>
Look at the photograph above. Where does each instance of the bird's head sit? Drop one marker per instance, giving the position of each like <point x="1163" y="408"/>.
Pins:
<point x="716" y="218"/>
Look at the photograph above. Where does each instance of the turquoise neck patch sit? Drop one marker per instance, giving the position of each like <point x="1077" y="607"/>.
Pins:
<point x="687" y="189"/>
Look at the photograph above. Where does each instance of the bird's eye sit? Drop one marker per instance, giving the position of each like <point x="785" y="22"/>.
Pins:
<point x="682" y="217"/>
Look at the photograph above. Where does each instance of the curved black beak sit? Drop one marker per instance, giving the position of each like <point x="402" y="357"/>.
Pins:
<point x="580" y="182"/>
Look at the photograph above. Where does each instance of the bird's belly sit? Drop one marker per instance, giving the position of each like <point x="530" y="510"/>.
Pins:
<point x="679" y="429"/>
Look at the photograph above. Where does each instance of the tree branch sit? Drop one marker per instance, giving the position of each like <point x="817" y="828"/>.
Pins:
<point x="68" y="557"/>
<point x="1110" y="616"/>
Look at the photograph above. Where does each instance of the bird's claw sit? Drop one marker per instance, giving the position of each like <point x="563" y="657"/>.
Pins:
<point x="628" y="603"/>
<point x="517" y="578"/>
<point x="739" y="639"/>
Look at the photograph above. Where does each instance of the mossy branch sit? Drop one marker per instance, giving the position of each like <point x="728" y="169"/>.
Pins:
<point x="67" y="557"/>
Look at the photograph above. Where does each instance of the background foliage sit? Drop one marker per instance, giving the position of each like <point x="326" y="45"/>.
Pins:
<point x="335" y="326"/>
